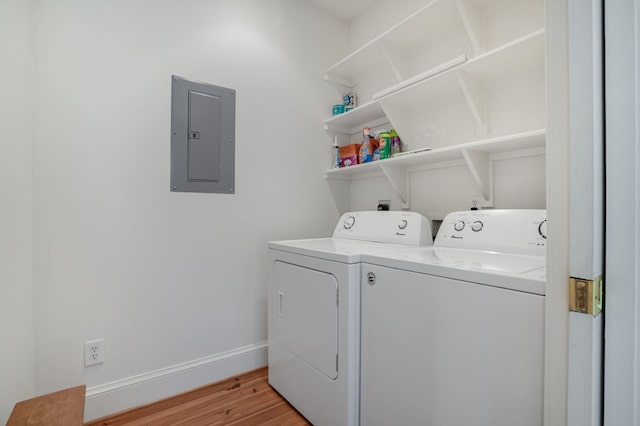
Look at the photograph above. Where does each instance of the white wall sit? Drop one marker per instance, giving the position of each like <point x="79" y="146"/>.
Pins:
<point x="168" y="278"/>
<point x="380" y="15"/>
<point x="16" y="280"/>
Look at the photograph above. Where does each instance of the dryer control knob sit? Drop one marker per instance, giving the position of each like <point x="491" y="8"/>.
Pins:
<point x="403" y="224"/>
<point x="349" y="222"/>
<point x="459" y="225"/>
<point x="477" y="226"/>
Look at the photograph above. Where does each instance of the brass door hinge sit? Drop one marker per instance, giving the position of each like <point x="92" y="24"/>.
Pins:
<point x="585" y="296"/>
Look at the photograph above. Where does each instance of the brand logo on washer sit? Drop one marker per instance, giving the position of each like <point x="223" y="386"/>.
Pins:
<point x="400" y="234"/>
<point x="457" y="238"/>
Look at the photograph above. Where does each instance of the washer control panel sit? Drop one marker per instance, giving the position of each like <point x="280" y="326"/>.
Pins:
<point x="397" y="227"/>
<point x="509" y="231"/>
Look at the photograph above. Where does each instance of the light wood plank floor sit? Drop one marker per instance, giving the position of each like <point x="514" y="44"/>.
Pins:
<point x="243" y="400"/>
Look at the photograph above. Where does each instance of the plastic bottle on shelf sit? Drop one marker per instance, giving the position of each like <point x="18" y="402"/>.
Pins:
<point x="349" y="101"/>
<point x="366" y="151"/>
<point x="335" y="153"/>
<point x="376" y="147"/>
<point x="396" y="144"/>
<point x="384" y="139"/>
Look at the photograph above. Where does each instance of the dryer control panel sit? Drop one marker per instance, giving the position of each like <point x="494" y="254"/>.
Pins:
<point x="508" y="231"/>
<point x="396" y="227"/>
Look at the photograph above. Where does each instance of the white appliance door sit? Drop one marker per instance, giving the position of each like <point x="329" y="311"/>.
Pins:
<point x="437" y="351"/>
<point x="306" y="315"/>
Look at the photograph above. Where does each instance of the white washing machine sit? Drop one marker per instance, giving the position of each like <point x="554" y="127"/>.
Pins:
<point x="314" y="311"/>
<point x="453" y="334"/>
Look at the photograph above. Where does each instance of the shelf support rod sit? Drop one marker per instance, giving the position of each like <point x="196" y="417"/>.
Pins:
<point x="399" y="179"/>
<point x="481" y="169"/>
<point x="339" y="82"/>
<point x="472" y="21"/>
<point x="474" y="95"/>
<point x="401" y="123"/>
<point x="335" y="130"/>
<point x="394" y="59"/>
<point x="340" y="189"/>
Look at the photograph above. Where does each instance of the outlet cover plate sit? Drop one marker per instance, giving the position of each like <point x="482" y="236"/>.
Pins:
<point x="93" y="352"/>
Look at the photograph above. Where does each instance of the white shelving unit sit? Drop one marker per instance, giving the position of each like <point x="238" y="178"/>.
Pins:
<point x="423" y="26"/>
<point x="469" y="77"/>
<point x="473" y="63"/>
<point x="477" y="155"/>
<point x="351" y="122"/>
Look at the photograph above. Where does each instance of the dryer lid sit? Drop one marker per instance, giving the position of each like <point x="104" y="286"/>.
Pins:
<point x="335" y="249"/>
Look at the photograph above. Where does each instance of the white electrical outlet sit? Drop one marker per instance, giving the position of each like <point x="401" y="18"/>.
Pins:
<point x="384" y="204"/>
<point x="93" y="352"/>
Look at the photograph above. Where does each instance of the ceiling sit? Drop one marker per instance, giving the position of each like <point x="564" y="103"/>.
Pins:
<point x="344" y="9"/>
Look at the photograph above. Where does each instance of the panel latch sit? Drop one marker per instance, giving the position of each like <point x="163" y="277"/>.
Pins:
<point x="585" y="296"/>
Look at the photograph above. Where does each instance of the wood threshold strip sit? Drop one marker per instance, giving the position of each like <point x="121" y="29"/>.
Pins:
<point x="245" y="400"/>
<point x="62" y="408"/>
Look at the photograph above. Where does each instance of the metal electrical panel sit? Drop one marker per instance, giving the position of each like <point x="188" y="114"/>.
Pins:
<point x="203" y="121"/>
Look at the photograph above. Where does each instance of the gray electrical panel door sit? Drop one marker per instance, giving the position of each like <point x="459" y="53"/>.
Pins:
<point x="202" y="137"/>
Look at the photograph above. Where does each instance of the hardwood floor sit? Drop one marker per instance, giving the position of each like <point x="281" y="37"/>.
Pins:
<point x="243" y="400"/>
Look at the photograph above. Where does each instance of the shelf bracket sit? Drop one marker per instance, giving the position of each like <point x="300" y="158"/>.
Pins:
<point x="399" y="179"/>
<point x="341" y="192"/>
<point x="481" y="169"/>
<point x="340" y="83"/>
<point x="401" y="124"/>
<point x="472" y="21"/>
<point x="341" y="131"/>
<point x="474" y="95"/>
<point x="395" y="60"/>
<point x="335" y="130"/>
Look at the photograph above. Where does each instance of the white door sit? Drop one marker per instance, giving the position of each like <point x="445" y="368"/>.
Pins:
<point x="622" y="259"/>
<point x="305" y="318"/>
<point x="596" y="241"/>
<point x="575" y="204"/>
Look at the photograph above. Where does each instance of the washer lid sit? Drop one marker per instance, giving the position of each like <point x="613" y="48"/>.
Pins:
<point x="516" y="272"/>
<point x="335" y="249"/>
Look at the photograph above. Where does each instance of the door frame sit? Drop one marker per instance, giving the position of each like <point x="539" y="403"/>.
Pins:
<point x="557" y="189"/>
<point x="575" y="198"/>
<point x="621" y="389"/>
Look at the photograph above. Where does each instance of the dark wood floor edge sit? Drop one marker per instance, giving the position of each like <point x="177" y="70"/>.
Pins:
<point x="101" y="419"/>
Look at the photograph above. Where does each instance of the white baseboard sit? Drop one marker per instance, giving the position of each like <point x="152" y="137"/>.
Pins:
<point x="119" y="395"/>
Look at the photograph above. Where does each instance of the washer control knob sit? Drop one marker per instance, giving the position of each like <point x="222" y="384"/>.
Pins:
<point x="403" y="224"/>
<point x="542" y="229"/>
<point x="371" y="278"/>
<point x="477" y="226"/>
<point x="349" y="222"/>
<point x="459" y="225"/>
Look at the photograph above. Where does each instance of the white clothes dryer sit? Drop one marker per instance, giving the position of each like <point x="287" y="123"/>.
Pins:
<point x="453" y="334"/>
<point x="314" y="311"/>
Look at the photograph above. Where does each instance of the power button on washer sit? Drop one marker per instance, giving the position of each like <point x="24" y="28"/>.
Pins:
<point x="371" y="278"/>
